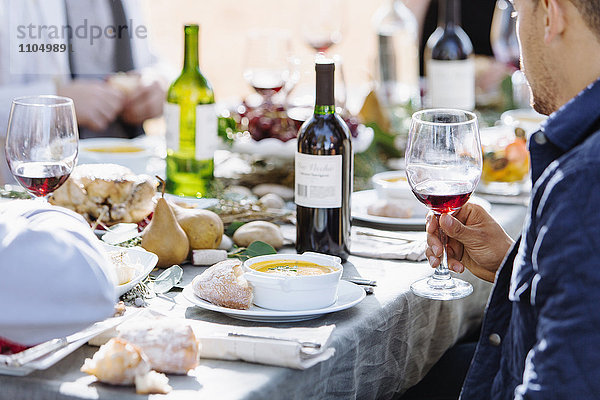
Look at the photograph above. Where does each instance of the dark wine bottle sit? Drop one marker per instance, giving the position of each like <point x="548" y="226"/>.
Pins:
<point x="323" y="171"/>
<point x="450" y="67"/>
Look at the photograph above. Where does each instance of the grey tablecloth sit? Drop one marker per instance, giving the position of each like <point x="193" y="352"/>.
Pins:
<point x="383" y="345"/>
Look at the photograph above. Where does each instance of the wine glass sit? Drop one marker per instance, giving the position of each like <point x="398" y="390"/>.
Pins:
<point x="41" y="143"/>
<point x="443" y="167"/>
<point x="268" y="62"/>
<point x="503" y="34"/>
<point x="322" y="28"/>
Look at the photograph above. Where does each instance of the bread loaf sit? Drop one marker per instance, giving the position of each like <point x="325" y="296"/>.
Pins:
<point x="224" y="284"/>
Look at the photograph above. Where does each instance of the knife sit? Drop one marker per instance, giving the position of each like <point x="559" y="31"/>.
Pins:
<point x="43" y="349"/>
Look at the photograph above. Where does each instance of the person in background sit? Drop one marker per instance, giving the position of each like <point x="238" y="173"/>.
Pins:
<point x="56" y="279"/>
<point x="540" y="330"/>
<point x="107" y="104"/>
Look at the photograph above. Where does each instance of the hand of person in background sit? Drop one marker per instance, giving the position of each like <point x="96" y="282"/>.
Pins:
<point x="145" y="102"/>
<point x="97" y="104"/>
<point x="475" y="241"/>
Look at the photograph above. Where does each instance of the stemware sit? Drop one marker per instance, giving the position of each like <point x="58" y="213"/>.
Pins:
<point x="443" y="168"/>
<point x="322" y="28"/>
<point x="268" y="62"/>
<point x="503" y="34"/>
<point x="42" y="143"/>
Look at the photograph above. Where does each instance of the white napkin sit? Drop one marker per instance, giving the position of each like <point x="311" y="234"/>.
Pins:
<point x="271" y="346"/>
<point x="274" y="346"/>
<point x="55" y="277"/>
<point x="376" y="243"/>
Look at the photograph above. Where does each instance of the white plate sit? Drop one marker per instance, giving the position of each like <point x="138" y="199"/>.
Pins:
<point x="78" y="339"/>
<point x="139" y="256"/>
<point x="349" y="295"/>
<point x="361" y="200"/>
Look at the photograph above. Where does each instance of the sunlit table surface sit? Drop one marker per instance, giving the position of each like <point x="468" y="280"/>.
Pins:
<point x="384" y="345"/>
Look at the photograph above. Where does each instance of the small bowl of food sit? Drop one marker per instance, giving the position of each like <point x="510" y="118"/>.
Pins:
<point x="525" y="118"/>
<point x="392" y="185"/>
<point x="505" y="160"/>
<point x="130" y="153"/>
<point x="294" y="282"/>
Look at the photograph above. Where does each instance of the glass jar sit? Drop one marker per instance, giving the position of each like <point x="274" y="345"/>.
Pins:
<point x="505" y="160"/>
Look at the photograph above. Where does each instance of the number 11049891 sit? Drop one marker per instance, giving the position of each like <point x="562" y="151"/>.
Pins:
<point x="45" y="48"/>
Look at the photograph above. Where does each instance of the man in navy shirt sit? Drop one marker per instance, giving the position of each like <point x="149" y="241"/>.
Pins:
<point x="541" y="331"/>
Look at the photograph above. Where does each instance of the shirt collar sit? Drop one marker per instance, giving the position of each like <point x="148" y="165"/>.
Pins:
<point x="571" y="124"/>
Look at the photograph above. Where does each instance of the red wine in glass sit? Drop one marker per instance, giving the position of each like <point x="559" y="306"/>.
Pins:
<point x="266" y="81"/>
<point x="443" y="197"/>
<point x="42" y="178"/>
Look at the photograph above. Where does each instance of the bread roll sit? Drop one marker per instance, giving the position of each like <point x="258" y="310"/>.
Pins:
<point x="117" y="362"/>
<point x="224" y="284"/>
<point x="169" y="345"/>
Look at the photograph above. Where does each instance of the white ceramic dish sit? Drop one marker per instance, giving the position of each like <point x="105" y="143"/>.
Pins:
<point x="275" y="147"/>
<point x="294" y="293"/>
<point x="97" y="151"/>
<point x="146" y="261"/>
<point x="348" y="296"/>
<point x="361" y="200"/>
<point x="392" y="185"/>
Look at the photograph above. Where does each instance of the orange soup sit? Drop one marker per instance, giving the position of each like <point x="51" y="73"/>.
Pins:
<point x="291" y="268"/>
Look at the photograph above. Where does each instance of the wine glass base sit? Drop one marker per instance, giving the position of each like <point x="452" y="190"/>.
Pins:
<point x="441" y="289"/>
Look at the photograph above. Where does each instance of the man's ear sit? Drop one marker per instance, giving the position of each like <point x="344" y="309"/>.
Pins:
<point x="554" y="19"/>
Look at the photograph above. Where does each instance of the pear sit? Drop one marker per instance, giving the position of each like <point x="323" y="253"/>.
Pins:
<point x="203" y="228"/>
<point x="164" y="237"/>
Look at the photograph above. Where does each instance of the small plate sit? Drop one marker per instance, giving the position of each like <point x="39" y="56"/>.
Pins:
<point x="361" y="201"/>
<point x="349" y="295"/>
<point x="139" y="256"/>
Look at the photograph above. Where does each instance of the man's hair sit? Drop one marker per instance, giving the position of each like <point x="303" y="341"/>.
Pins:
<point x="590" y="11"/>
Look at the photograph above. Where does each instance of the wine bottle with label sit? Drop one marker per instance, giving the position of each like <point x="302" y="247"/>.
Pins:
<point x="191" y="126"/>
<point x="323" y="174"/>
<point x="450" y="66"/>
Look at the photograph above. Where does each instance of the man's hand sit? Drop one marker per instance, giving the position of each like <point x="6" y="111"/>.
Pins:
<point x="144" y="102"/>
<point x="97" y="104"/>
<point x="475" y="241"/>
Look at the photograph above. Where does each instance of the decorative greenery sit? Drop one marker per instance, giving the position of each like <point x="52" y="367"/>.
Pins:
<point x="167" y="279"/>
<point x="10" y="192"/>
<point x="256" y="248"/>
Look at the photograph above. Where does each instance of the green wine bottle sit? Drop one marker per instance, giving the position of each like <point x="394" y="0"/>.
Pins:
<point x="191" y="126"/>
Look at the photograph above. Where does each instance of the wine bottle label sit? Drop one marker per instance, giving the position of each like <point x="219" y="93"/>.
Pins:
<point x="451" y="84"/>
<point x="318" y="181"/>
<point x="206" y="138"/>
<point x="172" y="114"/>
<point x="206" y="131"/>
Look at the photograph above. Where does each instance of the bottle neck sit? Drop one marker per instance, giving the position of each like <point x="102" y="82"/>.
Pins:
<point x="324" y="110"/>
<point x="325" y="100"/>
<point x="449" y="13"/>
<point x="190" y="59"/>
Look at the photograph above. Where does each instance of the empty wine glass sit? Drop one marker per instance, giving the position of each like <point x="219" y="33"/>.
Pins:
<point x="268" y="62"/>
<point x="443" y="167"/>
<point x="41" y="143"/>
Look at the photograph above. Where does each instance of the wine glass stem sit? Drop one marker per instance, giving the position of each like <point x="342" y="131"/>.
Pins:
<point x="442" y="272"/>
